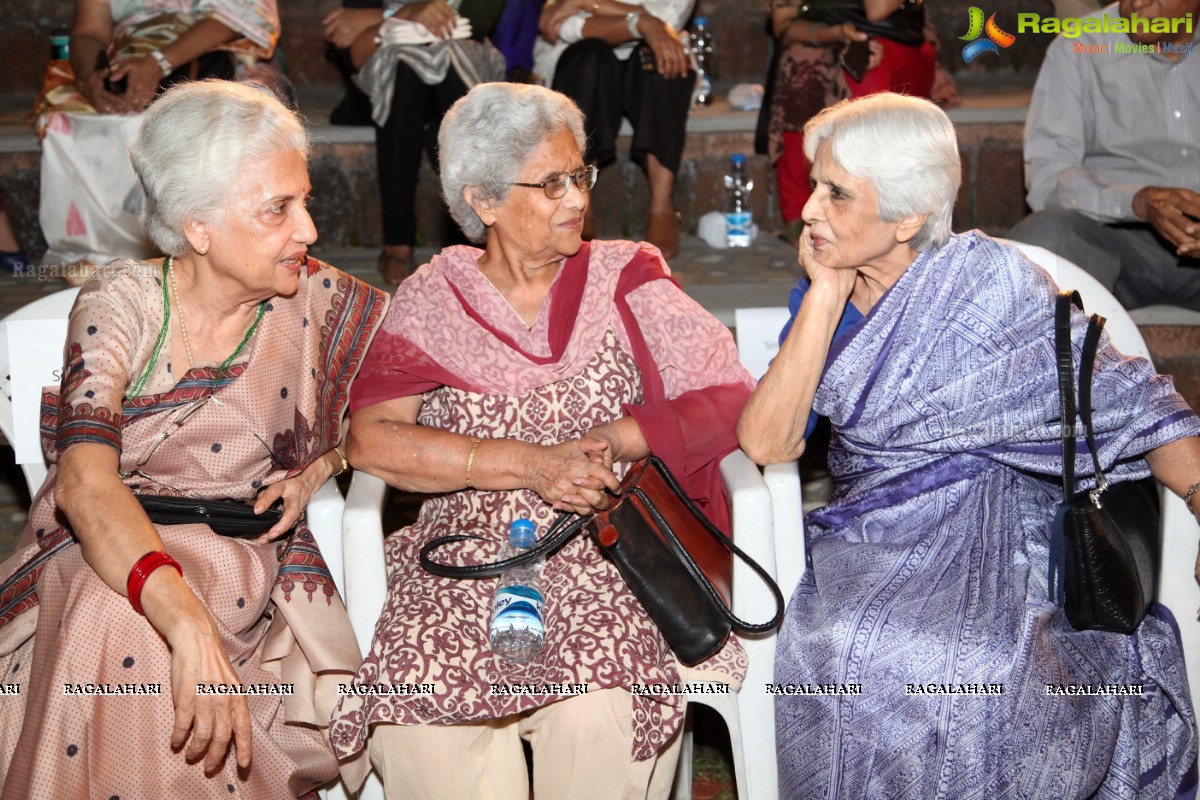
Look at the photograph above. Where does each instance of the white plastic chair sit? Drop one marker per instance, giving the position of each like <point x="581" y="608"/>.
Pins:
<point x="743" y="712"/>
<point x="24" y="390"/>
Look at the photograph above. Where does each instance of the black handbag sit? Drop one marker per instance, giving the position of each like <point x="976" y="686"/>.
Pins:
<point x="225" y="517"/>
<point x="675" y="561"/>
<point x="1104" y="547"/>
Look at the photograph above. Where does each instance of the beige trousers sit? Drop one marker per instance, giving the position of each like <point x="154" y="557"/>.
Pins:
<point x="581" y="749"/>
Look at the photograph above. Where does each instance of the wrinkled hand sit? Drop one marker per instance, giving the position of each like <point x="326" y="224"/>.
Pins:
<point x="100" y="99"/>
<point x="343" y="25"/>
<point x="1174" y="213"/>
<point x="296" y="491"/>
<point x="569" y="479"/>
<point x="142" y="75"/>
<point x="208" y="724"/>
<point x="670" y="53"/>
<point x="842" y="278"/>
<point x="599" y="445"/>
<point x="437" y="16"/>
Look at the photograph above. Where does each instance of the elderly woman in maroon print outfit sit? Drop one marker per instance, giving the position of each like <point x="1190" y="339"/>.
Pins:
<point x="519" y="380"/>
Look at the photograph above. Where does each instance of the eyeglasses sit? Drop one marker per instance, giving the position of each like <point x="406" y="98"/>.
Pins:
<point x="177" y="423"/>
<point x="557" y="184"/>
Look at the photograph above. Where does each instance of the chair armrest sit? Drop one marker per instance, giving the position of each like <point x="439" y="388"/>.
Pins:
<point x="362" y="542"/>
<point x="787" y="506"/>
<point x="324" y="514"/>
<point x="750" y="509"/>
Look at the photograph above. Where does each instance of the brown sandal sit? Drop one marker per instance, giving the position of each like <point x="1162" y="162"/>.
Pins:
<point x="663" y="233"/>
<point x="395" y="267"/>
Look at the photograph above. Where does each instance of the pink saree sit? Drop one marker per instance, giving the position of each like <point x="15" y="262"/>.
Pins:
<point x="281" y="619"/>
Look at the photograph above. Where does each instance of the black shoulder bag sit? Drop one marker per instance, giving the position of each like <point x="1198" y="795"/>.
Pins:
<point x="1104" y="547"/>
<point x="675" y="561"/>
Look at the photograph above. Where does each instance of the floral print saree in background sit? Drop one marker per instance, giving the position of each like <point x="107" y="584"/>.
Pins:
<point x="281" y="620"/>
<point x="928" y="568"/>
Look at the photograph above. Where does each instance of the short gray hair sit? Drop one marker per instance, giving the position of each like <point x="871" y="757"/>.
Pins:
<point x="905" y="147"/>
<point x="191" y="145"/>
<point x="488" y="135"/>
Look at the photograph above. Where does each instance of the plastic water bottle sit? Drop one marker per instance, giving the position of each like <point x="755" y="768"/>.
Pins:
<point x="737" y="207"/>
<point x="517" y="630"/>
<point x="60" y="43"/>
<point x="702" y="50"/>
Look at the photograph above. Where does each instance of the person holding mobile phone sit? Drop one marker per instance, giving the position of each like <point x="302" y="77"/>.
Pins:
<point x="830" y="52"/>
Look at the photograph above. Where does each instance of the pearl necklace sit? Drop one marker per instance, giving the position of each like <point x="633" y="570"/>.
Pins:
<point x="187" y="346"/>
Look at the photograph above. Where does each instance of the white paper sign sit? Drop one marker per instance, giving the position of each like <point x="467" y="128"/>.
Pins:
<point x="35" y="360"/>
<point x="758" y="336"/>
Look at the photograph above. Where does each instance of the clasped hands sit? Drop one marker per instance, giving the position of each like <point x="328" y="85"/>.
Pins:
<point x="576" y="476"/>
<point x="1175" y="215"/>
<point x="671" y="54"/>
<point x="141" y="75"/>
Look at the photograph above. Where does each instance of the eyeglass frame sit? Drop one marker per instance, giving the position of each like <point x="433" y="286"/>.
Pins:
<point x="175" y="424"/>
<point x="565" y="179"/>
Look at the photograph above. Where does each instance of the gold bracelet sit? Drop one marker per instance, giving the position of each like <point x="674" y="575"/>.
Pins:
<point x="471" y="460"/>
<point x="1187" y="498"/>
<point x="337" y="448"/>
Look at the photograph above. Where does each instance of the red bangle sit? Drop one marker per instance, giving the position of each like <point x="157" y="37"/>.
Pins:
<point x="141" y="571"/>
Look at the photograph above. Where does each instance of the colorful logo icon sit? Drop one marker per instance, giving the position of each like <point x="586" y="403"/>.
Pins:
<point x="996" y="38"/>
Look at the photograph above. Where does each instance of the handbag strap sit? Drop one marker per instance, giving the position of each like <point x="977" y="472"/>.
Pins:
<point x="567" y="525"/>
<point x="1066" y="385"/>
<point x="1087" y="363"/>
<point x="564" y="527"/>
<point x="698" y="574"/>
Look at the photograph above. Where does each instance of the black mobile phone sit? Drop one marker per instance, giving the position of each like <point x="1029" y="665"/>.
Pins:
<point x="854" y="59"/>
<point x="110" y="86"/>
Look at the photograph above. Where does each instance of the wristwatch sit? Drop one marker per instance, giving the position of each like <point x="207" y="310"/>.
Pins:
<point x="631" y="22"/>
<point x="163" y="64"/>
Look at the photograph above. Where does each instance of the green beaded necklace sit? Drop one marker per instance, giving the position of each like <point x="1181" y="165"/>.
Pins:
<point x="222" y="370"/>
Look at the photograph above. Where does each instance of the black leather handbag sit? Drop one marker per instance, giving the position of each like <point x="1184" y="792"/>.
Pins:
<point x="1104" y="548"/>
<point x="225" y="517"/>
<point x="675" y="561"/>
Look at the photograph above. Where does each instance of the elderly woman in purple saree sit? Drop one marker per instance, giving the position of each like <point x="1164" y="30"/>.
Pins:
<point x="932" y="356"/>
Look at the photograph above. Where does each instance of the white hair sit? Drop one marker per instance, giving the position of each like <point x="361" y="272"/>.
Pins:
<point x="489" y="134"/>
<point x="191" y="147"/>
<point x="905" y="147"/>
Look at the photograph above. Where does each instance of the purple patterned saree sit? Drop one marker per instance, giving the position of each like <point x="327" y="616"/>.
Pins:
<point x="927" y="583"/>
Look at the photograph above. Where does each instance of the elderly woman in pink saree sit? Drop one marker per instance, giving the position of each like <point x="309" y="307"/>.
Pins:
<point x="518" y="380"/>
<point x="221" y="371"/>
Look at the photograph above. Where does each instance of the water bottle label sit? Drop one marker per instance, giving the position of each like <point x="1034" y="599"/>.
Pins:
<point x="517" y="608"/>
<point x="738" y="224"/>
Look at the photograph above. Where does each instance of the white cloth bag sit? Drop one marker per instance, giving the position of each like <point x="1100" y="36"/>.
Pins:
<point x="91" y="199"/>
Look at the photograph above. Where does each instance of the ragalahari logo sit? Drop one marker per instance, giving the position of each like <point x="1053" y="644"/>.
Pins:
<point x="996" y="38"/>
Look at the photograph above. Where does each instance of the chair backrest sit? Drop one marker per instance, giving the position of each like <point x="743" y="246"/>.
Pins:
<point x="758" y="336"/>
<point x="1096" y="299"/>
<point x="31" y="348"/>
